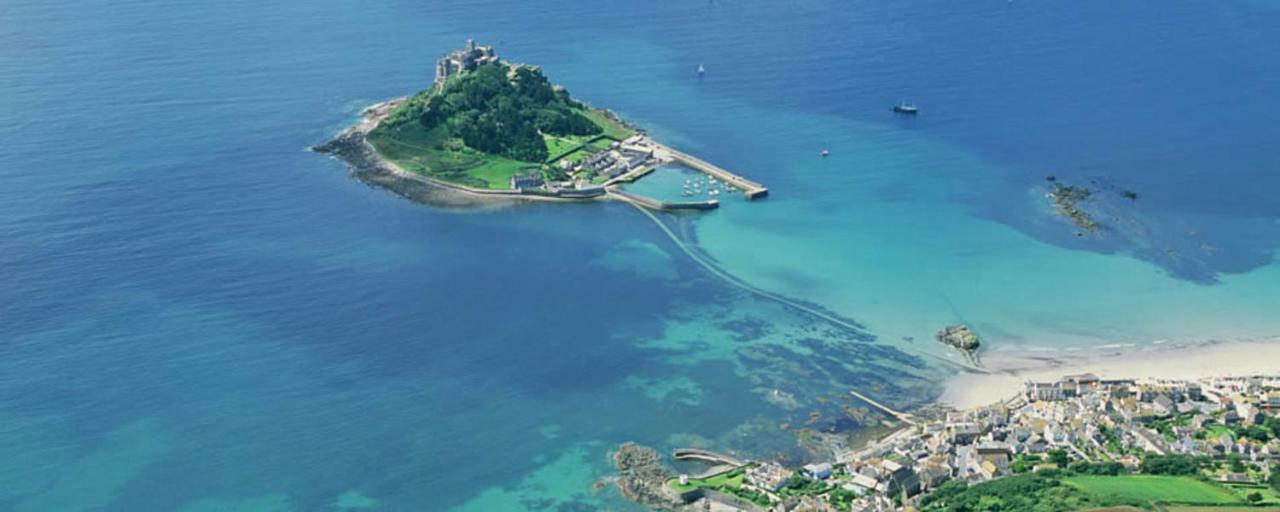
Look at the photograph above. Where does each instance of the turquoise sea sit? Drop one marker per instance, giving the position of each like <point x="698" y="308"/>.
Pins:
<point x="197" y="314"/>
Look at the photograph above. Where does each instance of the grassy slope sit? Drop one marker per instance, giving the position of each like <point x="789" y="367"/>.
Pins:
<point x="1270" y="497"/>
<point x="612" y="129"/>
<point x="1151" y="489"/>
<point x="557" y="146"/>
<point x="437" y="154"/>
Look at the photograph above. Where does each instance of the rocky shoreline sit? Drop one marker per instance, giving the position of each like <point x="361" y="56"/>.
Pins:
<point x="642" y="477"/>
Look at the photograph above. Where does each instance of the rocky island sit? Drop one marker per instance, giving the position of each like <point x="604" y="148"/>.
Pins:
<point x="1066" y="198"/>
<point x="490" y="130"/>
<point x="962" y="338"/>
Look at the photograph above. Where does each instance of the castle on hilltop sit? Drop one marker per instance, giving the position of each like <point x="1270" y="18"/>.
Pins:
<point x="465" y="59"/>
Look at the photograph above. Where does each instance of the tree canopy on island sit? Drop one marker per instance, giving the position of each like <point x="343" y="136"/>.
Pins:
<point x="498" y="109"/>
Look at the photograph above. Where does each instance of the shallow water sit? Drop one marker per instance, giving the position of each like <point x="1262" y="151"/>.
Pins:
<point x="197" y="314"/>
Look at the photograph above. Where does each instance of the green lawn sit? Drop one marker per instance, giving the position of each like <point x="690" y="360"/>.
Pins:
<point x="1146" y="489"/>
<point x="1269" y="496"/>
<point x="436" y="154"/>
<point x="599" y="144"/>
<point x="557" y="146"/>
<point x="732" y="479"/>
<point x="612" y="129"/>
<point x="577" y="156"/>
<point x="497" y="172"/>
<point x="1217" y="430"/>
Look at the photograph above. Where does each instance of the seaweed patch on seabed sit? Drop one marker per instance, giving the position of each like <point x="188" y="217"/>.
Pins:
<point x="747" y="328"/>
<point x="816" y="380"/>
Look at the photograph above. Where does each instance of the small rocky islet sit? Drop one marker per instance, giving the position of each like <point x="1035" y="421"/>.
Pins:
<point x="1069" y="201"/>
<point x="962" y="338"/>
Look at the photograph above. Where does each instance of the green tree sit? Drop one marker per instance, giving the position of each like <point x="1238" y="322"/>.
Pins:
<point x="499" y="110"/>
<point x="991" y="503"/>
<point x="1236" y="463"/>
<point x="1059" y="457"/>
<point x="1173" y="464"/>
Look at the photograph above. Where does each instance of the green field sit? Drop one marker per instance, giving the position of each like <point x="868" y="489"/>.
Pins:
<point x="1218" y="430"/>
<point x="575" y="148"/>
<point x="1270" y="496"/>
<point x="437" y="154"/>
<point x="434" y="153"/>
<point x="731" y="479"/>
<point x="1148" y="489"/>
<point x="612" y="129"/>
<point x="557" y="146"/>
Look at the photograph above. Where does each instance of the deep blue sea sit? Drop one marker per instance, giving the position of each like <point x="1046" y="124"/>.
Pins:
<point x="197" y="314"/>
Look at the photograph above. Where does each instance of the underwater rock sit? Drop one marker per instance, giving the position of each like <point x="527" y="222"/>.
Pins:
<point x="1067" y="198"/>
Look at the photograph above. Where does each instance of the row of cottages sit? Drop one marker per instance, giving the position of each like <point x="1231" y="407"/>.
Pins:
<point x="618" y="161"/>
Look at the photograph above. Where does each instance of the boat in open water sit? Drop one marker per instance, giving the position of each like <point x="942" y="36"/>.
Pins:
<point x="906" y="108"/>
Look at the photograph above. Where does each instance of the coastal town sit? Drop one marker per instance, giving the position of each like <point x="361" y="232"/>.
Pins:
<point x="1093" y="442"/>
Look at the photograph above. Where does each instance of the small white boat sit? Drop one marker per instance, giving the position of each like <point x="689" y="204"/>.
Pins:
<point x="906" y="108"/>
<point x="825" y="152"/>
<point x="701" y="70"/>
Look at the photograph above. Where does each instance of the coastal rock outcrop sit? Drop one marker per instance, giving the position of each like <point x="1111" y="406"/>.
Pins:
<point x="962" y="338"/>
<point x="1067" y="199"/>
<point x="642" y="477"/>
<point x="959" y="336"/>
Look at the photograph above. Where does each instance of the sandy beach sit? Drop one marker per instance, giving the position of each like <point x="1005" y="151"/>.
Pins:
<point x="1010" y="368"/>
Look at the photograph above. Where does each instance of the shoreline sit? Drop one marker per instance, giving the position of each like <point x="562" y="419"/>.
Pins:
<point x="1008" y="369"/>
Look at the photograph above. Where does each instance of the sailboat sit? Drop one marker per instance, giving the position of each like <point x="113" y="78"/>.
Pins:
<point x="701" y="70"/>
<point x="905" y="108"/>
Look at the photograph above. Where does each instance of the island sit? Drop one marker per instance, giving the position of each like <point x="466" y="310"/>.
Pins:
<point x="962" y="338"/>
<point x="492" y="130"/>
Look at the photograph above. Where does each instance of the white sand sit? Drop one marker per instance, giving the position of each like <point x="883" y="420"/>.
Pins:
<point x="1010" y="368"/>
